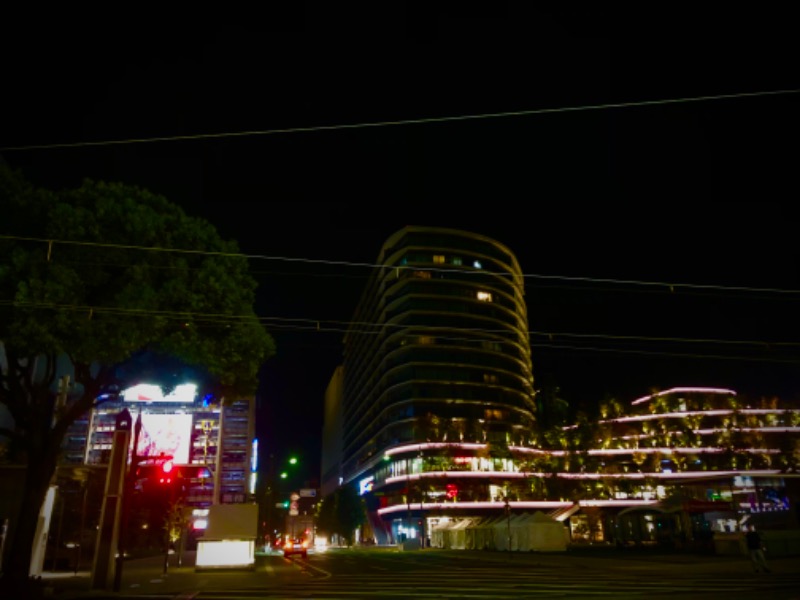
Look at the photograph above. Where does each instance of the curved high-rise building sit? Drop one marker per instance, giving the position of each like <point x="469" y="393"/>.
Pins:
<point x="437" y="353"/>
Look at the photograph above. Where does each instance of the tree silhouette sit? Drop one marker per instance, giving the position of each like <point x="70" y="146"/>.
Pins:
<point x="89" y="277"/>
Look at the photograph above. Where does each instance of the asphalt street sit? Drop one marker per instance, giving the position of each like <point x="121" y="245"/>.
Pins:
<point x="146" y="577"/>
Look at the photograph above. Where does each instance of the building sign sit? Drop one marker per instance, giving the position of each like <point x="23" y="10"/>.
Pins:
<point x="147" y="392"/>
<point x="254" y="456"/>
<point x="365" y="485"/>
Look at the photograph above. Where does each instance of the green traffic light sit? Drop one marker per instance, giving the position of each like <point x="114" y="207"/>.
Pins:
<point x="285" y="504"/>
<point x="293" y="461"/>
<point x="284" y="475"/>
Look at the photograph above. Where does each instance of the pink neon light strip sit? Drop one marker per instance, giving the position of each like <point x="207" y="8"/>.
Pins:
<point x="684" y="390"/>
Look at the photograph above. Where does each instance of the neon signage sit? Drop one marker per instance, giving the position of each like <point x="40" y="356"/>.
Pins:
<point x="365" y="485"/>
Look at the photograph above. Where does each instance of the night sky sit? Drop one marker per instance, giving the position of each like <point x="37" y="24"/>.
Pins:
<point x="615" y="151"/>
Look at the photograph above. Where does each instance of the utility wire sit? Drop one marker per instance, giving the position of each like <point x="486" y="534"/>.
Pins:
<point x="367" y="328"/>
<point x="661" y="284"/>
<point x="422" y="121"/>
<point x="305" y="324"/>
<point x="770" y="359"/>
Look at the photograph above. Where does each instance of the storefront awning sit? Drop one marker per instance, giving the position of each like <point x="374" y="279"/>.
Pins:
<point x="564" y="513"/>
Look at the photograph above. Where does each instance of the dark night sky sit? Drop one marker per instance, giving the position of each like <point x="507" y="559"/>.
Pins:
<point x="675" y="192"/>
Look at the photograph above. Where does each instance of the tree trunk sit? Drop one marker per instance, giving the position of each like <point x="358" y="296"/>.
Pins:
<point x="42" y="443"/>
<point x="16" y="582"/>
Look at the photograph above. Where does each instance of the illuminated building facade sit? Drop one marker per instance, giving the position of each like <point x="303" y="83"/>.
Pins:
<point x="213" y="446"/>
<point x="683" y="463"/>
<point x="432" y="418"/>
<point x="437" y="349"/>
<point x="704" y="457"/>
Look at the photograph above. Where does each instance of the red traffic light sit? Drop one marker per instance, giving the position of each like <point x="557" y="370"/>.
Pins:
<point x="166" y="470"/>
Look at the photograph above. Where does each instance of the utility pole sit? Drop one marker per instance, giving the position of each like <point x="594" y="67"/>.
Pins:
<point x="217" y="499"/>
<point x="421" y="501"/>
<point x="170" y="518"/>
<point x="270" y="499"/>
<point x="508" y="518"/>
<point x="408" y="492"/>
<point x="83" y="525"/>
<point x="110" y="515"/>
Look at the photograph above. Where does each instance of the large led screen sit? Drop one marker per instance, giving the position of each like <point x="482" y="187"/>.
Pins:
<point x="166" y="433"/>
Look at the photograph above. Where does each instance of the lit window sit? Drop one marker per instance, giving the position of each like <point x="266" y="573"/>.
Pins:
<point x="489" y="378"/>
<point x="477" y="264"/>
<point x="422" y="274"/>
<point x="457" y="260"/>
<point x="438" y="259"/>
<point x="425" y="340"/>
<point x="484" y="296"/>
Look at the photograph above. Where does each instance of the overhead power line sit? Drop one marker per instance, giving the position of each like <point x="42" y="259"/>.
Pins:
<point x="661" y="284"/>
<point x="765" y="359"/>
<point x="401" y="122"/>
<point x="447" y="334"/>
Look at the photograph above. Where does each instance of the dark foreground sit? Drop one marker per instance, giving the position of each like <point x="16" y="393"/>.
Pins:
<point x="388" y="572"/>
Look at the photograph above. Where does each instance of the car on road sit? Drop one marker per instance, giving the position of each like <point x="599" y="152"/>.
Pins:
<point x="295" y="546"/>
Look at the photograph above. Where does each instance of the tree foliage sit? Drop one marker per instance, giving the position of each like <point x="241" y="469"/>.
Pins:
<point x="341" y="513"/>
<point x="98" y="275"/>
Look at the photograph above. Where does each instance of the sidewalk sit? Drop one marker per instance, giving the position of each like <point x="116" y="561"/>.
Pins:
<point x="145" y="576"/>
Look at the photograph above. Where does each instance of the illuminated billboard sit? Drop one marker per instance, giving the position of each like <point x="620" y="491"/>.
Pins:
<point x="147" y="392"/>
<point x="168" y="434"/>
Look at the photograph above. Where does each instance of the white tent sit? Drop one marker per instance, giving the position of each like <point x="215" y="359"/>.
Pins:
<point x="439" y="534"/>
<point x="483" y="534"/>
<point x="547" y="534"/>
<point x="535" y="532"/>
<point x="503" y="529"/>
<point x="520" y="532"/>
<point x="458" y="534"/>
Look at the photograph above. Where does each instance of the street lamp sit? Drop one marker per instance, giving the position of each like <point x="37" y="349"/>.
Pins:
<point x="292" y="461"/>
<point x="272" y="485"/>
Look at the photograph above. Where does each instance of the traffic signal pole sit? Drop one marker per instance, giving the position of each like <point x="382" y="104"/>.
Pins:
<point x="168" y="524"/>
<point x="127" y="492"/>
<point x="110" y="516"/>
